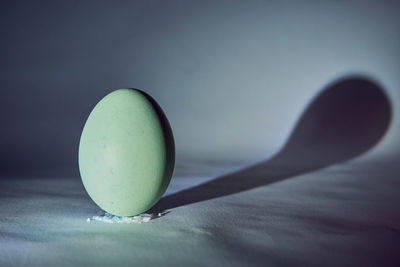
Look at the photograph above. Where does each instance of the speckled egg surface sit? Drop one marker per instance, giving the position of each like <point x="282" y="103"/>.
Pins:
<point x="126" y="153"/>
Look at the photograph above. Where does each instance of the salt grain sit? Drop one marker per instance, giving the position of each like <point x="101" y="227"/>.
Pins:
<point x="109" y="218"/>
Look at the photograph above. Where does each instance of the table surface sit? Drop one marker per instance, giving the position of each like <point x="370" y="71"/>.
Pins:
<point x="343" y="215"/>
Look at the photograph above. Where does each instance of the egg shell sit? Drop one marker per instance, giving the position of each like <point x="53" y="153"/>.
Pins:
<point x="126" y="153"/>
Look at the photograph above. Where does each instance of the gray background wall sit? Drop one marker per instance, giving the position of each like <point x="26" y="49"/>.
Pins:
<point x="232" y="76"/>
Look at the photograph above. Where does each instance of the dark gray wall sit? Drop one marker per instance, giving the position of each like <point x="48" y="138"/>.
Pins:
<point x="232" y="76"/>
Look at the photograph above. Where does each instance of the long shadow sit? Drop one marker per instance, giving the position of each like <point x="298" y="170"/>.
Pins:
<point x="346" y="119"/>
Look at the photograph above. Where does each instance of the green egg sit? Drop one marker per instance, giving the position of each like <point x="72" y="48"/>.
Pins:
<point x="126" y="153"/>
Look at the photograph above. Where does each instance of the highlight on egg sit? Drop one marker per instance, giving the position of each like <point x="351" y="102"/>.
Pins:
<point x="126" y="153"/>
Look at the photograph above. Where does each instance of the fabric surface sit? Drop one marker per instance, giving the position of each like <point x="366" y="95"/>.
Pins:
<point x="344" y="215"/>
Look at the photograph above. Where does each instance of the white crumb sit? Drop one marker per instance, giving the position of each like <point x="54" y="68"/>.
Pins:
<point x="109" y="218"/>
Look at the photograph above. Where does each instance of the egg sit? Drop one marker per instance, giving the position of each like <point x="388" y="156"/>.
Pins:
<point x="126" y="153"/>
